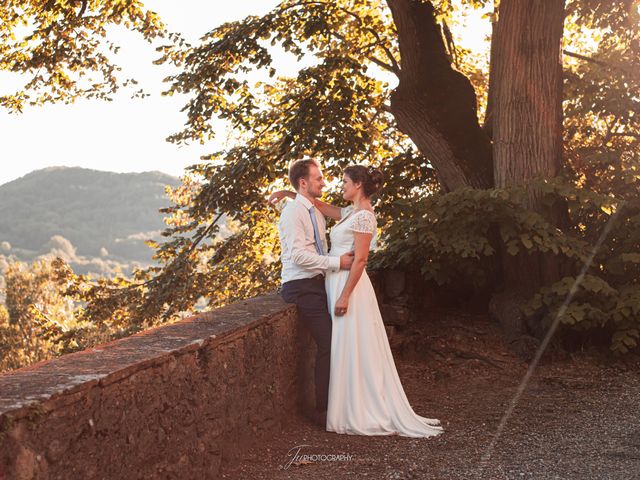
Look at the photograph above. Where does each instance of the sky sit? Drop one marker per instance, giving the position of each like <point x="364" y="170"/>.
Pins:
<point x="126" y="135"/>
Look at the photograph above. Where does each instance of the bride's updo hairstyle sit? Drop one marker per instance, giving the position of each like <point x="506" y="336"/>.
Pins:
<point x="371" y="178"/>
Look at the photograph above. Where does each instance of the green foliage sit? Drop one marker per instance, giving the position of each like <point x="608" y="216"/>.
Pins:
<point x="595" y="305"/>
<point x="451" y="233"/>
<point x="608" y="297"/>
<point x="59" y="47"/>
<point x="29" y="289"/>
<point x="602" y="140"/>
<point x="41" y="320"/>
<point x="336" y="110"/>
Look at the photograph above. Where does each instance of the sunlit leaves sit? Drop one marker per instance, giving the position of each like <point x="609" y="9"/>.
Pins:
<point x="602" y="92"/>
<point x="61" y="50"/>
<point x="36" y="312"/>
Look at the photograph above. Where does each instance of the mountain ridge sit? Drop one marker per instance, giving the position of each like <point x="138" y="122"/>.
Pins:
<point x="66" y="167"/>
<point x="99" y="218"/>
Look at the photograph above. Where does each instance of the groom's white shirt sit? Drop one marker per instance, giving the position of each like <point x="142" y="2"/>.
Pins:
<point x="299" y="256"/>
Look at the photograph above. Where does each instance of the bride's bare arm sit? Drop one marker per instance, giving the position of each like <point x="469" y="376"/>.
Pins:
<point x="275" y="197"/>
<point x="362" y="242"/>
<point x="327" y="209"/>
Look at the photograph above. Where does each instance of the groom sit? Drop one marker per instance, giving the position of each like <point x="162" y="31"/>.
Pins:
<point x="304" y="263"/>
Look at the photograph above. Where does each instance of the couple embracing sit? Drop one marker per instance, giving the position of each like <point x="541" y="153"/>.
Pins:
<point x="358" y="390"/>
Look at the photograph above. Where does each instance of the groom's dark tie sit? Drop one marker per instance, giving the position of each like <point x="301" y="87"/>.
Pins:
<point x="316" y="232"/>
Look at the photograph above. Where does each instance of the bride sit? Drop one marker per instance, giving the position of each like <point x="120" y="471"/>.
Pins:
<point x="365" y="393"/>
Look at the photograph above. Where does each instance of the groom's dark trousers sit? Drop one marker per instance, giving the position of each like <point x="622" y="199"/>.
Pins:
<point x="310" y="297"/>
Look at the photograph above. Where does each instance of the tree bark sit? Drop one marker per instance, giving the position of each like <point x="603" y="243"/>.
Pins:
<point x="527" y="117"/>
<point x="526" y="126"/>
<point x="434" y="104"/>
<point x="527" y="96"/>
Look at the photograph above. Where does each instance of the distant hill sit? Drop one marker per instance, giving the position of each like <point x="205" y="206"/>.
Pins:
<point x="96" y="219"/>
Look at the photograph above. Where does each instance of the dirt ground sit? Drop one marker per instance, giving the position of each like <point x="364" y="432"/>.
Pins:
<point x="578" y="418"/>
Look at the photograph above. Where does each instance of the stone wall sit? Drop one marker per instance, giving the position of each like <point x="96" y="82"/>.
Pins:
<point x="175" y="401"/>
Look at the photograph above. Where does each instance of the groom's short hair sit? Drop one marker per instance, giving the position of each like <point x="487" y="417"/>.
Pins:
<point x="300" y="169"/>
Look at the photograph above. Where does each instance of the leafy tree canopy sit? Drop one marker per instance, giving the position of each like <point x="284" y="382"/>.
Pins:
<point x="61" y="50"/>
<point x="337" y="109"/>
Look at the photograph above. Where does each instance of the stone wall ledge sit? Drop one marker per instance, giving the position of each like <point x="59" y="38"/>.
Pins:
<point x="62" y="381"/>
<point x="175" y="401"/>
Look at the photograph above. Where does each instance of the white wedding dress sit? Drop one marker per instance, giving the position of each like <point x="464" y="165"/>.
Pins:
<point x="365" y="393"/>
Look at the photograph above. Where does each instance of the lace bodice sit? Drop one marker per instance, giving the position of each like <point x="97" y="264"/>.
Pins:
<point x="342" y="238"/>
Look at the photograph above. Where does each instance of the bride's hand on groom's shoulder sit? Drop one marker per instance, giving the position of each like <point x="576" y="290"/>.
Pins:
<point x="277" y="196"/>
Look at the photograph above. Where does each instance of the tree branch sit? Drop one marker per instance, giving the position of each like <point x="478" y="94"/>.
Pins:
<point x="625" y="134"/>
<point x="386" y="66"/>
<point x="83" y="8"/>
<point x="610" y="128"/>
<point x="436" y="105"/>
<point x="392" y="67"/>
<point x="597" y="62"/>
<point x="585" y="58"/>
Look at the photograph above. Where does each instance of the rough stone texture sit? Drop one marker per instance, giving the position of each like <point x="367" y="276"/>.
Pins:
<point x="176" y="401"/>
<point x="395" y="315"/>
<point x="394" y="283"/>
<point x="396" y="300"/>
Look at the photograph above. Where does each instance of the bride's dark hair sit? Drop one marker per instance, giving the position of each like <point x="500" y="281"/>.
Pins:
<point x="371" y="178"/>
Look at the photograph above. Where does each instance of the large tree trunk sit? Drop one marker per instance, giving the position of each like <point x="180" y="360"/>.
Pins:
<point x="434" y="104"/>
<point x="527" y="98"/>
<point x="526" y="121"/>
